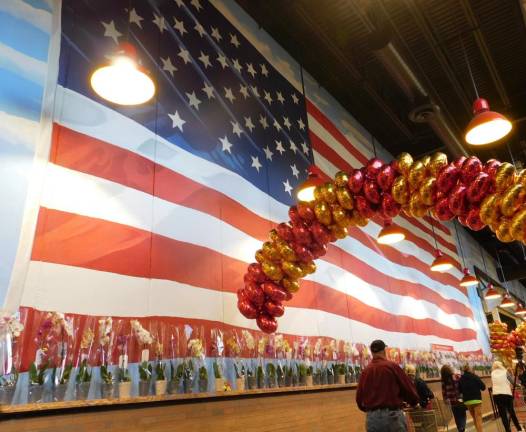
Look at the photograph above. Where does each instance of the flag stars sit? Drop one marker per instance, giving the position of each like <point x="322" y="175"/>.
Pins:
<point x="209" y="90"/>
<point x="111" y="32"/>
<point x="236" y="65"/>
<point x="268" y="97"/>
<point x="301" y="124"/>
<point x="135" y="18"/>
<point x="229" y="95"/>
<point x="244" y="91"/>
<point x="193" y="101"/>
<point x="168" y="66"/>
<point x="286" y="122"/>
<point x="295" y="171"/>
<point x="226" y="145"/>
<point x="255" y="91"/>
<point x="177" y="121"/>
<point x="293" y="147"/>
<point x="222" y="60"/>
<point x="288" y="187"/>
<point x="264" y="70"/>
<point x="179" y="26"/>
<point x="196" y="4"/>
<point x="234" y="41"/>
<point x="205" y="60"/>
<point x="159" y="21"/>
<point x="255" y="163"/>
<point x="185" y="55"/>
<point x="236" y="129"/>
<point x="268" y="153"/>
<point x="280" y="97"/>
<point x="305" y="148"/>
<point x="279" y="147"/>
<point x="295" y="98"/>
<point x="249" y="124"/>
<point x="180" y="3"/>
<point x="263" y="121"/>
<point x="251" y="70"/>
<point x="199" y="29"/>
<point x="276" y="125"/>
<point x="216" y="35"/>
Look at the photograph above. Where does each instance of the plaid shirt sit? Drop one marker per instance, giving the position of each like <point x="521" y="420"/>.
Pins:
<point x="450" y="391"/>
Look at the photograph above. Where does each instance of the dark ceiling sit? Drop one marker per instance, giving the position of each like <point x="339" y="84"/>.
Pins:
<point x="348" y="45"/>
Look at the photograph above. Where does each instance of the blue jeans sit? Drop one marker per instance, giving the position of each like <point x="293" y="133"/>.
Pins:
<point x="459" y="412"/>
<point x="385" y="420"/>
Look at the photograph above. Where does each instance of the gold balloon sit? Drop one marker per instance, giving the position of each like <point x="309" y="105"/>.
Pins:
<point x="270" y="251"/>
<point x="274" y="235"/>
<point x="286" y="252"/>
<point x="341" y="178"/>
<point x="505" y="176"/>
<point x="273" y="271"/>
<point x="416" y="207"/>
<point x="318" y="193"/>
<point x="490" y="209"/>
<point x="400" y="190"/>
<point x="427" y="191"/>
<point x="512" y="199"/>
<point x="518" y="226"/>
<point x="404" y="162"/>
<point x="358" y="219"/>
<point x="417" y="173"/>
<point x="344" y="197"/>
<point x="521" y="177"/>
<point x="340" y="232"/>
<point x="438" y="161"/>
<point x="291" y="269"/>
<point x="260" y="257"/>
<point x="504" y="231"/>
<point x="340" y="216"/>
<point x="291" y="285"/>
<point x="329" y="192"/>
<point x="323" y="213"/>
<point x="308" y="268"/>
<point x="426" y="160"/>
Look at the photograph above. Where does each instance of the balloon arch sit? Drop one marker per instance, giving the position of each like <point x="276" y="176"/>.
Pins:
<point x="478" y="195"/>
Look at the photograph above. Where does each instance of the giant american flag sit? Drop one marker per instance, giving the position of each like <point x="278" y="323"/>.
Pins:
<point x="156" y="210"/>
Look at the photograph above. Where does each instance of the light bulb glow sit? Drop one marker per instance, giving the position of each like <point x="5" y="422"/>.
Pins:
<point x="441" y="267"/>
<point x="306" y="194"/>
<point x="390" y="234"/>
<point x="468" y="279"/>
<point x="123" y="82"/>
<point x="507" y="302"/>
<point x="520" y="311"/>
<point x="488" y="132"/>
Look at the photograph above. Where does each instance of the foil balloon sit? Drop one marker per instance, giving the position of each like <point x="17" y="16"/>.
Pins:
<point x="400" y="190"/>
<point x="438" y="161"/>
<point x="364" y="207"/>
<point x="306" y="212"/>
<point x="339" y="232"/>
<point x="285" y="232"/>
<point x="479" y="187"/>
<point x="270" y="251"/>
<point x="291" y="285"/>
<point x="521" y="177"/>
<point x="247" y="309"/>
<point x="344" y="198"/>
<point x="491" y="166"/>
<point x="373" y="167"/>
<point x="294" y="215"/>
<point x="286" y="251"/>
<point x="340" y="215"/>
<point x="512" y="199"/>
<point x="458" y="202"/>
<point x="389" y="208"/>
<point x="473" y="220"/>
<point x="272" y="271"/>
<point x="442" y="211"/>
<point x="302" y="234"/>
<point x="459" y="162"/>
<point x="340" y="179"/>
<point x="403" y="163"/>
<point x="254" y="293"/>
<point x="417" y="173"/>
<point x="505" y="176"/>
<point x="318" y="250"/>
<point x="356" y="180"/>
<point x="386" y="177"/>
<point x="426" y="161"/>
<point x="490" y="209"/>
<point x="259" y="256"/>
<point x="462" y="219"/>
<point x="273" y="308"/>
<point x="255" y="272"/>
<point x="320" y="233"/>
<point x="470" y="168"/>
<point x="323" y="212"/>
<point x="266" y="323"/>
<point x="303" y="253"/>
<point x="358" y="219"/>
<point x="503" y="231"/>
<point x="428" y="191"/>
<point x="329" y="192"/>
<point x="292" y="270"/>
<point x="371" y="191"/>
<point x="447" y="178"/>
<point x="518" y="226"/>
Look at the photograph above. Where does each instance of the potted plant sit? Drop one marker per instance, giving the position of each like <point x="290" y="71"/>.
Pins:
<point x="160" y="378"/>
<point x="287" y="371"/>
<point x="341" y="372"/>
<point x="83" y="380"/>
<point x="61" y="382"/>
<point x="271" y="375"/>
<point x="10" y="331"/>
<point x="280" y="375"/>
<point x="260" y="377"/>
<point x="124" y="379"/>
<point x="240" y="377"/>
<point x="145" y="374"/>
<point x="188" y="376"/>
<point x="219" y="380"/>
<point x="317" y="377"/>
<point x="302" y="373"/>
<point x="308" y="379"/>
<point x="251" y="379"/>
<point x="36" y="382"/>
<point x="203" y="380"/>
<point x="330" y="374"/>
<point x="176" y="376"/>
<point x="106" y="387"/>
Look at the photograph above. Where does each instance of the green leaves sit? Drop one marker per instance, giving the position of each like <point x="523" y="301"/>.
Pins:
<point x="105" y="375"/>
<point x="37" y="375"/>
<point x="203" y="373"/>
<point x="145" y="371"/>
<point x="84" y="373"/>
<point x="217" y="371"/>
<point x="124" y="375"/>
<point x="66" y="374"/>
<point x="271" y="371"/>
<point x="159" y="371"/>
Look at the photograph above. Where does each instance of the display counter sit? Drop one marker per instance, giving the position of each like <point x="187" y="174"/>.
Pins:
<point x="317" y="408"/>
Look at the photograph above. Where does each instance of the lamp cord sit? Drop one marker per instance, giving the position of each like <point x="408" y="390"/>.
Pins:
<point x="374" y="146"/>
<point x="469" y="66"/>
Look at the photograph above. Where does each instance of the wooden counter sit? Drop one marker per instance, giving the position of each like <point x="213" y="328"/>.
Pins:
<point x="319" y="408"/>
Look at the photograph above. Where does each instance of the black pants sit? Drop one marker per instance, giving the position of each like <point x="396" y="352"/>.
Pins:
<point x="505" y="406"/>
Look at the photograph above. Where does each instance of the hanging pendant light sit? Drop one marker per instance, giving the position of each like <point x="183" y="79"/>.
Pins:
<point x="507" y="301"/>
<point x="305" y="191"/>
<point x="468" y="279"/>
<point x="521" y="310"/>
<point x="123" y="81"/>
<point x="390" y="233"/>
<point x="441" y="263"/>
<point x="492" y="293"/>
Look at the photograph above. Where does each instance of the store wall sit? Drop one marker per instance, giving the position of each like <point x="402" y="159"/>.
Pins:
<point x="361" y="291"/>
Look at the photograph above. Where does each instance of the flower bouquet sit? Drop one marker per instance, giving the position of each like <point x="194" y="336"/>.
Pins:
<point x="260" y="372"/>
<point x="144" y="340"/>
<point x="302" y="373"/>
<point x="271" y="375"/>
<point x="160" y="371"/>
<point x="197" y="352"/>
<point x="233" y="345"/>
<point x="217" y="351"/>
<point x="10" y="331"/>
<point x="105" y="343"/>
<point x="61" y="376"/>
<point x="176" y="369"/>
<point x="250" y="345"/>
<point x="123" y="377"/>
<point x="83" y="378"/>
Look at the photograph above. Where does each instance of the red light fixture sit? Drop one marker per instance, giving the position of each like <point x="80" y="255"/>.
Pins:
<point x="492" y="293"/>
<point x="441" y="263"/>
<point x="305" y="191"/>
<point x="486" y="126"/>
<point x="521" y="310"/>
<point x="390" y="234"/>
<point x="468" y="279"/>
<point x="507" y="301"/>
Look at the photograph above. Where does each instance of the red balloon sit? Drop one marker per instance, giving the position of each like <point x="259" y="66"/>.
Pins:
<point x="479" y="187"/>
<point x="294" y="215"/>
<point x="371" y="191"/>
<point x="389" y="208"/>
<point x="491" y="167"/>
<point x="320" y="233"/>
<point x="303" y="253"/>
<point x="386" y="177"/>
<point x="473" y="220"/>
<point x="289" y="296"/>
<point x="470" y="168"/>
<point x="447" y="178"/>
<point x="462" y="219"/>
<point x="459" y="162"/>
<point x="274" y="309"/>
<point x="302" y="235"/>
<point x="255" y="294"/>
<point x="458" y="202"/>
<point x="285" y="232"/>
<point x="355" y="182"/>
<point x="241" y="294"/>
<point x="266" y="323"/>
<point x="247" y="309"/>
<point x="306" y="212"/>
<point x="318" y="250"/>
<point x="442" y="211"/>
<point x="274" y="291"/>
<point x="256" y="272"/>
<point x="364" y="207"/>
<point x="373" y="167"/>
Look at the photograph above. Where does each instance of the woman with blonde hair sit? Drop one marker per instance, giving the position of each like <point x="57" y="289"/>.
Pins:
<point x="502" y="395"/>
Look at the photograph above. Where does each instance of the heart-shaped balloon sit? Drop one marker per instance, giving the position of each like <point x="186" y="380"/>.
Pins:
<point x="491" y="167"/>
<point x="320" y="233"/>
<point x="371" y="191"/>
<point x="364" y="207"/>
<point x="473" y="220"/>
<point x="447" y="178"/>
<point x="385" y="177"/>
<point x="403" y="163"/>
<point x="256" y="272"/>
<point x="285" y="232"/>
<point x="459" y="162"/>
<point x="303" y="252"/>
<point x="274" y="309"/>
<point x="306" y="212"/>
<point x="255" y="294"/>
<point x="442" y="211"/>
<point x="302" y="235"/>
<point x="479" y="187"/>
<point x="247" y="309"/>
<point x="294" y="215"/>
<point x="389" y="208"/>
<point x="458" y="202"/>
<point x="266" y="323"/>
<point x="373" y="167"/>
<point x="356" y="180"/>
<point x="318" y="250"/>
<point x="274" y="291"/>
<point x="470" y="168"/>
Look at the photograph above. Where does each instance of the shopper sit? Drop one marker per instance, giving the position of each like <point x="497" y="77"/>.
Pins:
<point x="382" y="391"/>
<point x="451" y="394"/>
<point x="502" y="395"/>
<point x="471" y="387"/>
<point x="425" y="394"/>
